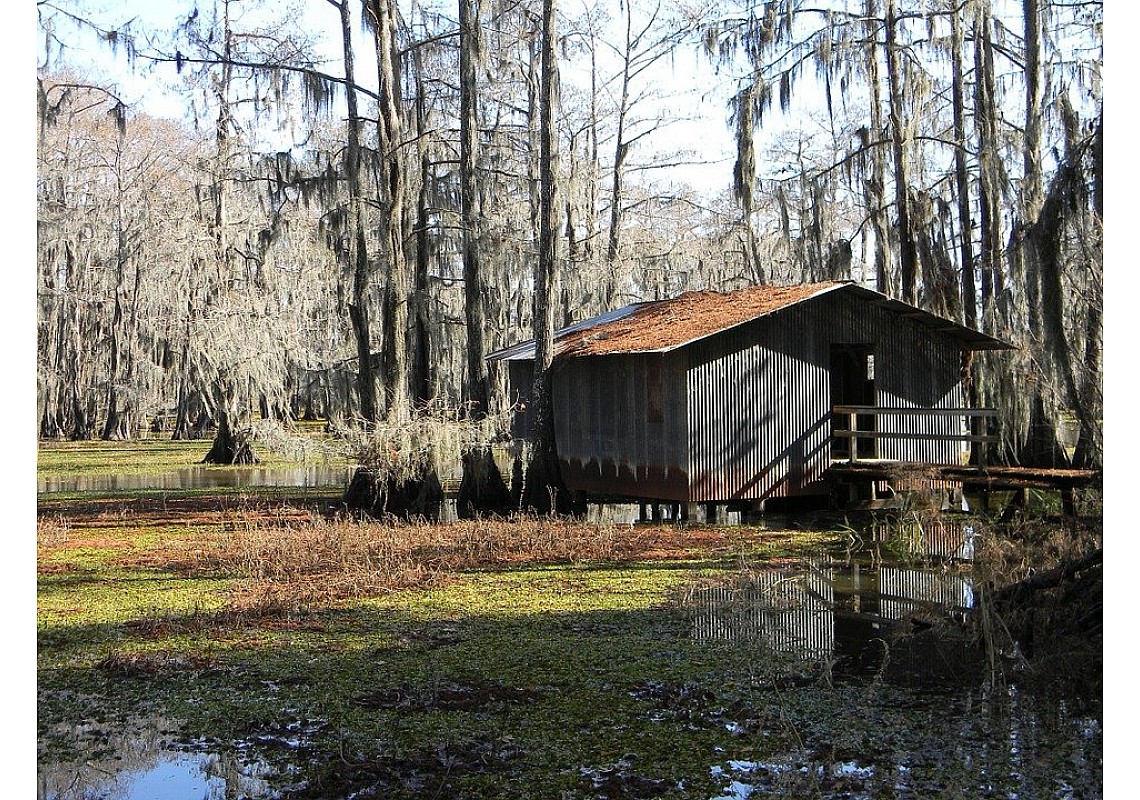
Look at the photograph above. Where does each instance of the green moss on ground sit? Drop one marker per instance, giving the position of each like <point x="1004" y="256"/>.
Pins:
<point x="555" y="680"/>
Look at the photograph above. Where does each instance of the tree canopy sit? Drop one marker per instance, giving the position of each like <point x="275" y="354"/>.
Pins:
<point x="343" y="223"/>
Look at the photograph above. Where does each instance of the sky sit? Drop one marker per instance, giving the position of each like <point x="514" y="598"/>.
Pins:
<point x="686" y="81"/>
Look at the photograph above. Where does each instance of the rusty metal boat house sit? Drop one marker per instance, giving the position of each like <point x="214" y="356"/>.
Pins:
<point x="752" y="395"/>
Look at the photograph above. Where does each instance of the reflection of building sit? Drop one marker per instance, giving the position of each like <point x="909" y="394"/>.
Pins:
<point x="904" y="591"/>
<point x="817" y="613"/>
<point x="787" y="612"/>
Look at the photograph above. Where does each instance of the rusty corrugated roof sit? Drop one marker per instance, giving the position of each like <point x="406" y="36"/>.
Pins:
<point x="669" y="324"/>
<point x="664" y="325"/>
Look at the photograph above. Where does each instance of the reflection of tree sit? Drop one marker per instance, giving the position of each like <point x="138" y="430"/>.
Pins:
<point x="137" y="759"/>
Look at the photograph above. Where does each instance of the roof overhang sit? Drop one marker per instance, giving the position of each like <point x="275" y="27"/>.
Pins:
<point x="970" y="338"/>
<point x="608" y="334"/>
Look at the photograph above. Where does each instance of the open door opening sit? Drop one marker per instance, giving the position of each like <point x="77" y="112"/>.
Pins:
<point x="853" y="384"/>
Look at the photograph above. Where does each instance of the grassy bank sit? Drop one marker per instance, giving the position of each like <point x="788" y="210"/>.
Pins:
<point x="160" y="454"/>
<point x="532" y="658"/>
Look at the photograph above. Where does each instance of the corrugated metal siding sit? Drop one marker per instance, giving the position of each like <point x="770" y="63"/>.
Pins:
<point x="744" y="414"/>
<point x="760" y="396"/>
<point x="751" y="433"/>
<point x="620" y="424"/>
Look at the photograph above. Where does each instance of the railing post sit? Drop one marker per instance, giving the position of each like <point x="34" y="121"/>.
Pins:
<point x="985" y="423"/>
<point x="852" y="439"/>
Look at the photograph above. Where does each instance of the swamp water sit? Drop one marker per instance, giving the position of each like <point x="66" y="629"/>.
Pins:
<point x="314" y="477"/>
<point x="950" y="732"/>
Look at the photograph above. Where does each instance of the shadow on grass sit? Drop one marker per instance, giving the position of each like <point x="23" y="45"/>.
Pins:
<point x="434" y="701"/>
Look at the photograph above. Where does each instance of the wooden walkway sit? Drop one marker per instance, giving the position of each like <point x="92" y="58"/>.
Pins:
<point x="985" y="479"/>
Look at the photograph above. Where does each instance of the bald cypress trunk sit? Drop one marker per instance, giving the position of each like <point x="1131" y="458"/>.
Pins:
<point x="544" y="490"/>
<point x="876" y="183"/>
<point x="482" y="489"/>
<point x="962" y="176"/>
<point x="393" y="191"/>
<point x="355" y="253"/>
<point x="989" y="165"/>
<point x="1089" y="449"/>
<point x="227" y="448"/>
<point x="908" y="251"/>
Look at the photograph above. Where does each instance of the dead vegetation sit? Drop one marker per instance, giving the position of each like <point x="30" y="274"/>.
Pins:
<point x="135" y="665"/>
<point x="288" y="558"/>
<point x="1041" y="604"/>
<point x="340" y="559"/>
<point x="52" y="531"/>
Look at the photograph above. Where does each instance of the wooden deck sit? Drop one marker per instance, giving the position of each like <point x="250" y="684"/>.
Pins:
<point x="985" y="479"/>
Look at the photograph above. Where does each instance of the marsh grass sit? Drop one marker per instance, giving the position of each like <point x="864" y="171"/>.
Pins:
<point x="323" y="561"/>
<point x="52" y="531"/>
<point x="1009" y="552"/>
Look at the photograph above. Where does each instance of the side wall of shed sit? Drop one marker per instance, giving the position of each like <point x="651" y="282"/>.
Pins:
<point x="759" y="396"/>
<point x="620" y="424"/>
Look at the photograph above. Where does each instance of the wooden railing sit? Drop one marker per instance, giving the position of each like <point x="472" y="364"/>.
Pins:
<point x="976" y="416"/>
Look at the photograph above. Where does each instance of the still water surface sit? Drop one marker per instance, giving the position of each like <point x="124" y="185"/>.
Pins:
<point x="203" y="477"/>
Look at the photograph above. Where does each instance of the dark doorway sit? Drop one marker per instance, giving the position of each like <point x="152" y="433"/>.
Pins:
<point x="853" y="384"/>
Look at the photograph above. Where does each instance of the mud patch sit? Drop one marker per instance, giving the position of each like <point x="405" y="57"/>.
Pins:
<point x="619" y="781"/>
<point x="146" y="665"/>
<point x="674" y="701"/>
<point x="847" y="780"/>
<point x="434" y="636"/>
<point x="473" y="696"/>
<point x="699" y="707"/>
<point x="436" y="772"/>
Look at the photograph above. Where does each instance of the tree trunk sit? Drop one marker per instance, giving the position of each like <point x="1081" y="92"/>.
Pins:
<point x="989" y="165"/>
<point x="393" y="181"/>
<point x="355" y="253"/>
<point x="545" y="492"/>
<point x="481" y="489"/>
<point x="908" y="252"/>
<point x="962" y="176"/>
<point x="744" y="180"/>
<point x="229" y="446"/>
<point x="1090" y="445"/>
<point x="477" y="389"/>
<point x="876" y="185"/>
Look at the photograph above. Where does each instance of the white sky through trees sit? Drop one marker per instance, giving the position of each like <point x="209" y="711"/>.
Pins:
<point x="692" y="102"/>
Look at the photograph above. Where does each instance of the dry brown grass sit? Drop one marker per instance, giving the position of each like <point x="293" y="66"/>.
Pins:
<point x="290" y="566"/>
<point x="52" y="531"/>
<point x="1009" y="553"/>
<point x="135" y="665"/>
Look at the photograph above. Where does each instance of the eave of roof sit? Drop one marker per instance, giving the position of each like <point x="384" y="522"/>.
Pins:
<point x="524" y="351"/>
<point x="970" y="338"/>
<point x="666" y="325"/>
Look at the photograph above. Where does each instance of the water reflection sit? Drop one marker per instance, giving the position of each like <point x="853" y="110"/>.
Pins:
<point x="137" y="764"/>
<point x="202" y="478"/>
<point x="172" y="776"/>
<point x="840" y="606"/>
